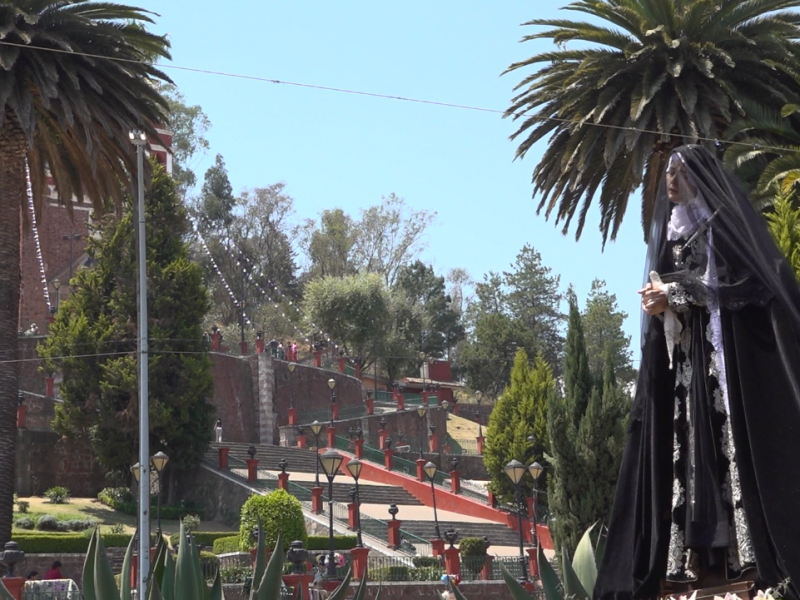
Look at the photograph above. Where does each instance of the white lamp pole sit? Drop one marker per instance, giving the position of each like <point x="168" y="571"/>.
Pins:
<point x="139" y="139"/>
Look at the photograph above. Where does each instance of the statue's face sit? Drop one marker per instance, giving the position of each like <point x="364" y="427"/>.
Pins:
<point x="679" y="189"/>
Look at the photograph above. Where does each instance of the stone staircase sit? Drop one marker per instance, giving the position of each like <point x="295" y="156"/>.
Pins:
<point x="498" y="534"/>
<point x="299" y="459"/>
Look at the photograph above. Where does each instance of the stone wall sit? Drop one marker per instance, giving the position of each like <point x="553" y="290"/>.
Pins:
<point x="469" y="466"/>
<point x="220" y="498"/>
<point x="45" y="460"/>
<point x="71" y="564"/>
<point x="235" y="397"/>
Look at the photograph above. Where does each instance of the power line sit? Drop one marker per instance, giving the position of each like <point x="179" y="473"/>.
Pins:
<point x="442" y="104"/>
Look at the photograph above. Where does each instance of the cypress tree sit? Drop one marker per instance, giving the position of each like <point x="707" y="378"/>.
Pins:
<point x="93" y="341"/>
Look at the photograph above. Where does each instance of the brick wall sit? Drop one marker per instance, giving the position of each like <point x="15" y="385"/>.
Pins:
<point x="220" y="498"/>
<point x="235" y="397"/>
<point x="54" y="222"/>
<point x="45" y="460"/>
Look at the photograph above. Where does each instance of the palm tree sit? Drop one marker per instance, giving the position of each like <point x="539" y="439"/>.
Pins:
<point x="646" y="76"/>
<point x="73" y="82"/>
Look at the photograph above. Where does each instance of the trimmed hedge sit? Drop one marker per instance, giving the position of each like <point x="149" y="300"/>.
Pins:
<point x="121" y="499"/>
<point x="67" y="543"/>
<point x="224" y="545"/>
<point x="204" y="538"/>
<point x="277" y="511"/>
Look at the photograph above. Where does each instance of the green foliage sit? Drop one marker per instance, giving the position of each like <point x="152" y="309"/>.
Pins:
<point x="23" y="506"/>
<point x="587" y="429"/>
<point x="24" y="523"/>
<point x="223" y="545"/>
<point x="51" y="523"/>
<point x="278" y="513"/>
<point x="472" y="546"/>
<point x="115" y="497"/>
<point x="514" y="309"/>
<point x="188" y="125"/>
<point x="101" y="312"/>
<point x="602" y="328"/>
<point x="691" y="69"/>
<point x="519" y="413"/>
<point x="783" y="222"/>
<point x="67" y="543"/>
<point x="57" y="495"/>
<point x="122" y="500"/>
<point x="191" y="523"/>
<point x="47" y="523"/>
<point x="205" y="538"/>
<point x="230" y="543"/>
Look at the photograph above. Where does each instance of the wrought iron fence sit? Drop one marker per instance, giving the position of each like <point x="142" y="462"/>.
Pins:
<point x="418" y="568"/>
<point x="384" y="396"/>
<point x="352" y="412"/>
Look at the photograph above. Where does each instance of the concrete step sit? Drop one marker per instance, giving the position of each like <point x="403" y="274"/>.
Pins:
<point x="498" y="534"/>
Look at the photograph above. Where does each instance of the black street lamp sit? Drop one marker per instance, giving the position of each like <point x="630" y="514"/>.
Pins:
<point x="331" y="385"/>
<point x="515" y="470"/>
<point x="331" y="460"/>
<point x="354" y="466"/>
<point x="478" y="398"/>
<point x="316" y="429"/>
<point x="421" y="410"/>
<point x="292" y="366"/>
<point x="159" y="461"/>
<point x="430" y="471"/>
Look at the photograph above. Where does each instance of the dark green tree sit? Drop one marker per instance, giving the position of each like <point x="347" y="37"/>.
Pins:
<point x="783" y="221"/>
<point x="586" y="428"/>
<point x="602" y="329"/>
<point x="640" y="77"/>
<point x="519" y="415"/>
<point x="93" y="341"/>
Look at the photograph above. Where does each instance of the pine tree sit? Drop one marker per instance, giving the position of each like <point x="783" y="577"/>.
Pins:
<point x="521" y="412"/>
<point x="95" y="333"/>
<point x="587" y="426"/>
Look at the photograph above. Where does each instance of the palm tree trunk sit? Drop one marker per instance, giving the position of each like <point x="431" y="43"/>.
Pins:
<point x="12" y="196"/>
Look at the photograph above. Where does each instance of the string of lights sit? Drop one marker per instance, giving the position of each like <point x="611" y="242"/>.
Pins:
<point x="221" y="276"/>
<point x="543" y="118"/>
<point x="36" y="241"/>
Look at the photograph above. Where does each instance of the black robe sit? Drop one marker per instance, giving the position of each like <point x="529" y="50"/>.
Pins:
<point x="763" y="374"/>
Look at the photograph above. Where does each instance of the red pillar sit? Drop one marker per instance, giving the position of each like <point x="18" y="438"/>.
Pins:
<point x="491" y="500"/>
<point x="401" y="402"/>
<point x="335" y="410"/>
<point x="455" y="408"/>
<point x="370" y="405"/>
<point x="252" y="469"/>
<point x="352" y="516"/>
<point x="425" y="398"/>
<point x="316" y="499"/>
<point x="387" y="458"/>
<point x="331" y="437"/>
<point x="529" y="500"/>
<point x="341" y="364"/>
<point x="298" y="581"/>
<point x="215" y="339"/>
<point x="480" y="439"/>
<point x="455" y="482"/>
<point x="486" y="571"/>
<point x="452" y="561"/>
<point x="49" y="386"/>
<point x="533" y="562"/>
<point x="358" y="370"/>
<point x="317" y="358"/>
<point x="301" y="441"/>
<point x="395" y="393"/>
<point x="421" y="469"/>
<point x="433" y="442"/>
<point x="283" y="481"/>
<point x="292" y="416"/>
<point x="259" y="346"/>
<point x="359" y="562"/>
<point x="223" y="457"/>
<point x="21" y="416"/>
<point x="243" y="348"/>
<point x="360" y="448"/>
<point x="437" y="547"/>
<point x="14" y="586"/>
<point x="394" y="534"/>
<point x="382" y="435"/>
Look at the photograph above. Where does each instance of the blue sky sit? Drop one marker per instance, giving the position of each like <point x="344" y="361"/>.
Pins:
<point x="341" y="150"/>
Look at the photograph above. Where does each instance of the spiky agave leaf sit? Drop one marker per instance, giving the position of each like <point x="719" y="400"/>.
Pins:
<point x="104" y="583"/>
<point x="340" y="593"/>
<point x="269" y="587"/>
<point x="186" y="580"/>
<point x="515" y="587"/>
<point x="88" y="568"/>
<point x="125" y="578"/>
<point x="216" y="589"/>
<point x="584" y="563"/>
<point x="573" y="588"/>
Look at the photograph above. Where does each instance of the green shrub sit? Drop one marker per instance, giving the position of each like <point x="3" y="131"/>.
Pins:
<point x="24" y="523"/>
<point x="191" y="523"/>
<point x="209" y="564"/>
<point x="224" y="545"/>
<point x="122" y="500"/>
<point x="340" y="542"/>
<point x="48" y="523"/>
<point x="23" y="506"/>
<point x="235" y="574"/>
<point x="426" y="561"/>
<point x="205" y="538"/>
<point x="117" y="528"/>
<point x="394" y="573"/>
<point x="114" y="497"/>
<point x="57" y="495"/>
<point x="278" y="511"/>
<point x="77" y="525"/>
<point x="472" y="546"/>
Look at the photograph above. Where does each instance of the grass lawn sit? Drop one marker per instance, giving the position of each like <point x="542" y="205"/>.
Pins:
<point x="460" y="428"/>
<point x="92" y="508"/>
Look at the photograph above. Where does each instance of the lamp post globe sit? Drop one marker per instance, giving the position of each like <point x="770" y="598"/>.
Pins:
<point x="330" y="460"/>
<point x="515" y="470"/>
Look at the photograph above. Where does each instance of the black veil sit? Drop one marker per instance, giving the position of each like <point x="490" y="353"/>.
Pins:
<point x="753" y="269"/>
<point x="757" y="298"/>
